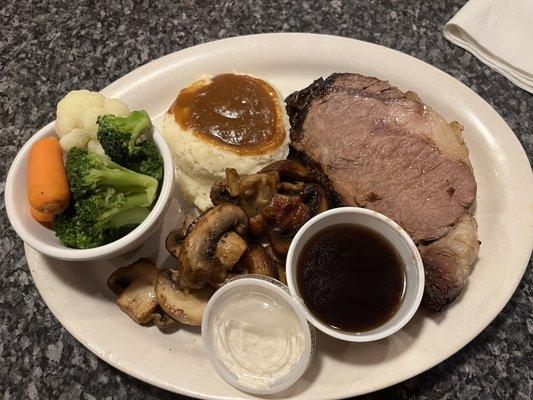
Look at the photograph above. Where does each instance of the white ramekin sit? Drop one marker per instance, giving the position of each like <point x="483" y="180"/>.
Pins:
<point x="248" y="283"/>
<point x="414" y="270"/>
<point x="45" y="241"/>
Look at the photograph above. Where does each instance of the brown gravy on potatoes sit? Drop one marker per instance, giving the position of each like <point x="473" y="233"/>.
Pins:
<point x="351" y="278"/>
<point x="239" y="112"/>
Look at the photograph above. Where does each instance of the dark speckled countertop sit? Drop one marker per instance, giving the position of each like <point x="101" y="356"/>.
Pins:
<point x="48" y="48"/>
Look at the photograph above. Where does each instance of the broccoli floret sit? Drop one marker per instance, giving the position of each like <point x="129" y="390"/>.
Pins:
<point x="118" y="135"/>
<point x="89" y="172"/>
<point x="100" y="218"/>
<point x="65" y="226"/>
<point x="120" y="139"/>
<point x="148" y="160"/>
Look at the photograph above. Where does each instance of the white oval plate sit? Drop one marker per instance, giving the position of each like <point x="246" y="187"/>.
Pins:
<point x="77" y="294"/>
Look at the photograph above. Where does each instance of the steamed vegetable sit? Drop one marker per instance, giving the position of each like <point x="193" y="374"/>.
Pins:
<point x="121" y="139"/>
<point x="48" y="188"/>
<point x="100" y="218"/>
<point x="109" y="200"/>
<point x="76" y="118"/>
<point x="149" y="160"/>
<point x="89" y="172"/>
<point x="110" y="197"/>
<point x="43" y="218"/>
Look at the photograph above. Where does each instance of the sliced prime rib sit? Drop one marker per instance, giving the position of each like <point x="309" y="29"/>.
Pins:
<point x="380" y="148"/>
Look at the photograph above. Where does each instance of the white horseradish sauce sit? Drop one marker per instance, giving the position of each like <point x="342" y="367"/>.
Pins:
<point x="258" y="337"/>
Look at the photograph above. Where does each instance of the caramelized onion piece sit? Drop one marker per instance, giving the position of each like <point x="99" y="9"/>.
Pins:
<point x="286" y="213"/>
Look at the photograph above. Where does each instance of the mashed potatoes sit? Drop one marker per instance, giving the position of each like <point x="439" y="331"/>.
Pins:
<point x="201" y="160"/>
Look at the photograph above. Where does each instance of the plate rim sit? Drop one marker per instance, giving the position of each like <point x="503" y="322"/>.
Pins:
<point x="153" y="67"/>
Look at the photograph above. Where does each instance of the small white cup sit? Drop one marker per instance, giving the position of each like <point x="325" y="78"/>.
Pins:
<point x="44" y="240"/>
<point x="397" y="237"/>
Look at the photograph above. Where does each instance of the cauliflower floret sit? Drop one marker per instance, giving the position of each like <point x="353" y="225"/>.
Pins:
<point x="94" y="145"/>
<point x="88" y="120"/>
<point x="77" y="137"/>
<point x="76" y="117"/>
<point x="116" y="107"/>
<point x="71" y="108"/>
<point x="64" y="125"/>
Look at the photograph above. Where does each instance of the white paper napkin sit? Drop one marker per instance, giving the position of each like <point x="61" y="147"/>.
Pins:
<point x="500" y="34"/>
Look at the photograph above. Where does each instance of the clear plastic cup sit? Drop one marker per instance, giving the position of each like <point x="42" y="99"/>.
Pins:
<point x="279" y="291"/>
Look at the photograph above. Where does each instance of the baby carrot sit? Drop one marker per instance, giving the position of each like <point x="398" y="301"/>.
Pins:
<point x="41" y="217"/>
<point x="48" y="189"/>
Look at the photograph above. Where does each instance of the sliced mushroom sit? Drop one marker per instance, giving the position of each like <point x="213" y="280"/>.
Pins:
<point x="232" y="182"/>
<point x="173" y="242"/>
<point x="282" y="274"/>
<point x="257" y="261"/>
<point x="280" y="265"/>
<point x="134" y="285"/>
<point x="221" y="280"/>
<point x="280" y="243"/>
<point x="175" y="238"/>
<point x="291" y="188"/>
<point x="258" y="226"/>
<point x="196" y="259"/>
<point x="183" y="305"/>
<point x="194" y="222"/>
<point x="251" y="192"/>
<point x="229" y="249"/>
<point x="219" y="193"/>
<point x="227" y="189"/>
<point x="278" y="200"/>
<point x="314" y="196"/>
<point x="257" y="191"/>
<point x="291" y="170"/>
<point x="162" y="320"/>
